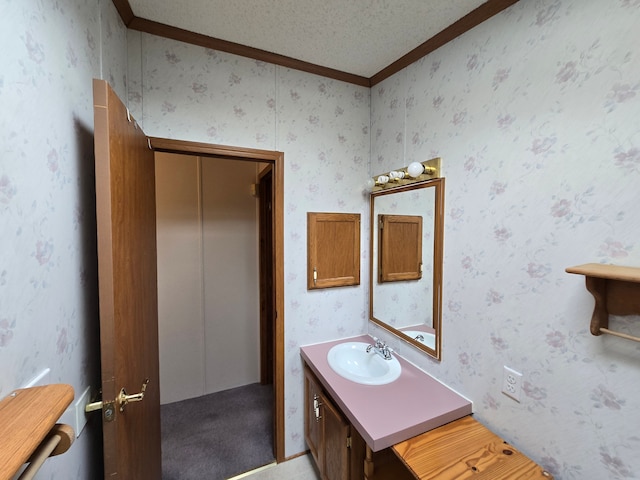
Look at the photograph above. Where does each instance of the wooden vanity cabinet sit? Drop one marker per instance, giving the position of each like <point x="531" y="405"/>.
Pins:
<point x="459" y="448"/>
<point x="326" y="431"/>
<point x="338" y="449"/>
<point x="312" y="415"/>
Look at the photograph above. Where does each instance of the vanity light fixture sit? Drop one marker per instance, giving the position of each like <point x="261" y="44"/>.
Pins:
<point x="396" y="176"/>
<point x="415" y="169"/>
<point x="382" y="180"/>
<point x="415" y="172"/>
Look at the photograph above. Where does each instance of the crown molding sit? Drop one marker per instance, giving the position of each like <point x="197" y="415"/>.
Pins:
<point x="466" y="23"/>
<point x="174" y="33"/>
<point x="125" y="11"/>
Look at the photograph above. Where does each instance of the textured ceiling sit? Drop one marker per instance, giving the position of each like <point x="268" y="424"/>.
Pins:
<point x="356" y="36"/>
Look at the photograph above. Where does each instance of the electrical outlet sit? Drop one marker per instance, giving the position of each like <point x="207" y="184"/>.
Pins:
<point x="512" y="383"/>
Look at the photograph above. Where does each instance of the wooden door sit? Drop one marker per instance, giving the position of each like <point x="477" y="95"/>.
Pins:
<point x="325" y="431"/>
<point x="312" y="418"/>
<point x="400" y="246"/>
<point x="333" y="249"/>
<point x="334" y="442"/>
<point x="125" y="209"/>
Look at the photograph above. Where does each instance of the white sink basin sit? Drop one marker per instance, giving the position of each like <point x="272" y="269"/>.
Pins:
<point x="428" y="339"/>
<point x="352" y="361"/>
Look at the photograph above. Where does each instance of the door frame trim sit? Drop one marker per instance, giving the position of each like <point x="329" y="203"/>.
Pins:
<point x="277" y="160"/>
<point x="267" y="328"/>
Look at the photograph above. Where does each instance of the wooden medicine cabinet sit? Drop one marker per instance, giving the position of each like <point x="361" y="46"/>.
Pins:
<point x="333" y="250"/>
<point x="400" y="247"/>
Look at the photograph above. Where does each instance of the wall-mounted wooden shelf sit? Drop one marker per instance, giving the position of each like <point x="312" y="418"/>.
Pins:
<point x="28" y="419"/>
<point x="616" y="291"/>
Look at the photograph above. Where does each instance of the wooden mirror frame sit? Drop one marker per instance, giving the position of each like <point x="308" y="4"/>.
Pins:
<point x="438" y="245"/>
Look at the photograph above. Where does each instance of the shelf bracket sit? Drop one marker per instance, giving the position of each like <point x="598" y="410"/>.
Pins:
<point x="616" y="291"/>
<point x="600" y="318"/>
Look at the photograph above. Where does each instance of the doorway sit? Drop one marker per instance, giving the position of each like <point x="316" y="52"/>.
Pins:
<point x="271" y="266"/>
<point x="208" y="272"/>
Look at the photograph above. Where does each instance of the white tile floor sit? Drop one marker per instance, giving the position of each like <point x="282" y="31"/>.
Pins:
<point x="300" y="468"/>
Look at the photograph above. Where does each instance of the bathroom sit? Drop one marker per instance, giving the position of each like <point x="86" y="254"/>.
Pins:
<point x="534" y="115"/>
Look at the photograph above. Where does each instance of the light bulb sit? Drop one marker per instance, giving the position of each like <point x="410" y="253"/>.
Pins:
<point x="415" y="169"/>
<point x="382" y="179"/>
<point x="370" y="184"/>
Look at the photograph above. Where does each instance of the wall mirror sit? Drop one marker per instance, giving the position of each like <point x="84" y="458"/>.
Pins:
<point x="406" y="261"/>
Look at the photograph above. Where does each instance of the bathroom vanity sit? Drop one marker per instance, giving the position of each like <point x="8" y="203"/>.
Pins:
<point x="370" y="414"/>
<point x="413" y="427"/>
<point x="349" y="427"/>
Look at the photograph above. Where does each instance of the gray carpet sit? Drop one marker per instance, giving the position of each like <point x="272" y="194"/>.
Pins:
<point x="218" y="436"/>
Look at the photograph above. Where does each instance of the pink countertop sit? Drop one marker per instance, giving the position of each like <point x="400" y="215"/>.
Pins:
<point x="387" y="414"/>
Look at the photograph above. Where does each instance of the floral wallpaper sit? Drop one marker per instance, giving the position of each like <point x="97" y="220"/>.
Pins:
<point x="535" y="114"/>
<point x="48" y="275"/>
<point x="322" y="126"/>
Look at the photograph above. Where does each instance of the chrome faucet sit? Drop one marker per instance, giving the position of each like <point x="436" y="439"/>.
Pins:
<point x="381" y="349"/>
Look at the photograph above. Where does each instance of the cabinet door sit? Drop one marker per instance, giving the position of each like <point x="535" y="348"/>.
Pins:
<point x="400" y="247"/>
<point x="336" y="433"/>
<point x="333" y="249"/>
<point x="312" y="416"/>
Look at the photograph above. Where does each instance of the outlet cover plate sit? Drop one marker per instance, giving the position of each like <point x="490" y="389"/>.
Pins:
<point x="81" y="416"/>
<point x="512" y="383"/>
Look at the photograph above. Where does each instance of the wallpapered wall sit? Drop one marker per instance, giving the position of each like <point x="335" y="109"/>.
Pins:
<point x="535" y="114"/>
<point x="48" y="278"/>
<point x="322" y="126"/>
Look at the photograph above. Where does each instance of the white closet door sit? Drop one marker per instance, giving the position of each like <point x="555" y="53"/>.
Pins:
<point x="180" y="295"/>
<point x="231" y="283"/>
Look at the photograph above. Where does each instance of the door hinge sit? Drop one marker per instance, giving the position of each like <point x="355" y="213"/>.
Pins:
<point x="348" y="442"/>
